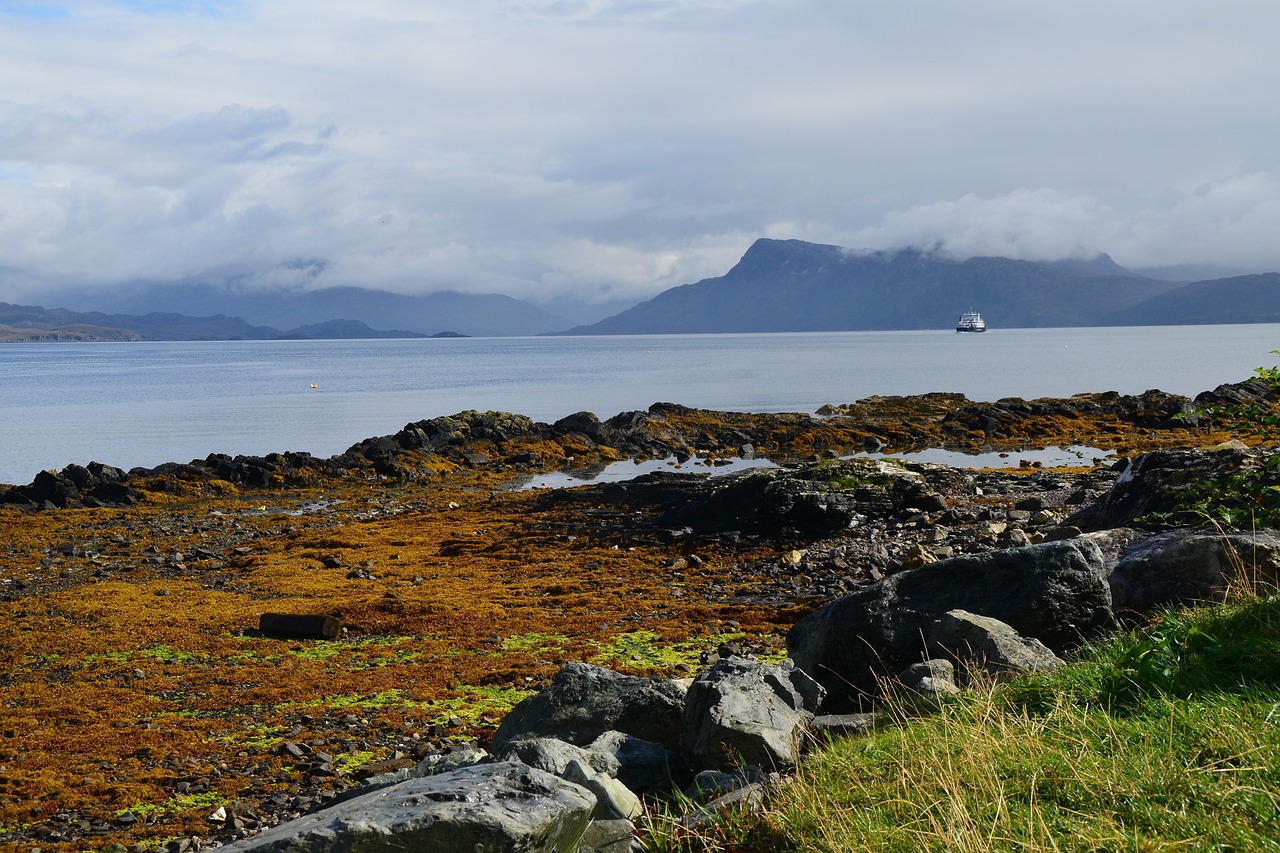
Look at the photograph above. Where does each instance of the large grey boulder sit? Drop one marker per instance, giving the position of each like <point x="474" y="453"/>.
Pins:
<point x="1181" y="567"/>
<point x="981" y="643"/>
<point x="504" y="806"/>
<point x="1056" y="592"/>
<point x="742" y="711"/>
<point x="585" y="701"/>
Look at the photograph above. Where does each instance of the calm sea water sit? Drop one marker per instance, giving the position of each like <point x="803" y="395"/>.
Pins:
<point x="130" y="404"/>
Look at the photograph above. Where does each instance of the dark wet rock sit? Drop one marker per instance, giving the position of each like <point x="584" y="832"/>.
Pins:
<point x="811" y="500"/>
<point x="95" y="485"/>
<point x="1247" y="393"/>
<point x="1013" y="415"/>
<point x="299" y="626"/>
<point x="587" y="426"/>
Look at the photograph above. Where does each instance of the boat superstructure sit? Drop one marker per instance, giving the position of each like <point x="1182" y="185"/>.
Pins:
<point x="971" y="321"/>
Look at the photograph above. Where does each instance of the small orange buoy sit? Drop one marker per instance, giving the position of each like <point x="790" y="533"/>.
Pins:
<point x="313" y="385"/>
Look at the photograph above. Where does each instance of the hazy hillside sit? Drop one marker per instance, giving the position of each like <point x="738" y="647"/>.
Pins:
<point x="32" y="323"/>
<point x="61" y="324"/>
<point x="448" y="311"/>
<point x="777" y="286"/>
<point x="1240" y="299"/>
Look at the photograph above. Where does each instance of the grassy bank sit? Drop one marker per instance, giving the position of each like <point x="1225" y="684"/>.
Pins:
<point x="1165" y="738"/>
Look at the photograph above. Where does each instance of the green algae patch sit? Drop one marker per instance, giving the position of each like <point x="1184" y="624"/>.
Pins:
<point x="647" y="649"/>
<point x="356" y="702"/>
<point x="478" y="705"/>
<point x="536" y="641"/>
<point x="178" y="804"/>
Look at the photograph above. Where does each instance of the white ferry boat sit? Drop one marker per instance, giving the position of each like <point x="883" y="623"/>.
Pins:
<point x="971" y="321"/>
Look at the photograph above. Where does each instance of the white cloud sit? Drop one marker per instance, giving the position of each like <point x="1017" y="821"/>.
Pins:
<point x="1027" y="224"/>
<point x="613" y="147"/>
<point x="1225" y="223"/>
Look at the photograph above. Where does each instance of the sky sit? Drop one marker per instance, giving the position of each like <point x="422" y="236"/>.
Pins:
<point x="606" y="150"/>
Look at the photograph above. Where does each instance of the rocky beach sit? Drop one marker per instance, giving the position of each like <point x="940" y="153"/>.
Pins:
<point x="196" y="653"/>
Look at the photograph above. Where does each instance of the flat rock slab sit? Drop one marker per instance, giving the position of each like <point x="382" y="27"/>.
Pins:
<point x="504" y="806"/>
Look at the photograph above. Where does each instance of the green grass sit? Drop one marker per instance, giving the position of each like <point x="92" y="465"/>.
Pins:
<point x="1167" y="738"/>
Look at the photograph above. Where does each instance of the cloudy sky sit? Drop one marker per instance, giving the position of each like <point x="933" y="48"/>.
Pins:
<point x="609" y="149"/>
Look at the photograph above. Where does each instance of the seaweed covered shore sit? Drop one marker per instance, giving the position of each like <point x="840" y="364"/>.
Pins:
<point x="141" y="705"/>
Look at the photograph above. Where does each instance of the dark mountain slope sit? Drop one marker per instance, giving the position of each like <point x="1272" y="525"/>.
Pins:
<point x="793" y="286"/>
<point x="1240" y="299"/>
<point x="345" y="330"/>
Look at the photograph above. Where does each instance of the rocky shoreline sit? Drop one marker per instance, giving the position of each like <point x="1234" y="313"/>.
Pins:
<point x="141" y="703"/>
<point x="502" y="442"/>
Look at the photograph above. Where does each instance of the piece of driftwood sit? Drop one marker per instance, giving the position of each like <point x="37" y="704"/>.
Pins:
<point x="299" y="626"/>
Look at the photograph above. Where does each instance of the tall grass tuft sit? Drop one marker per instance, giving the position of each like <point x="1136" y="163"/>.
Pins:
<point x="1166" y="738"/>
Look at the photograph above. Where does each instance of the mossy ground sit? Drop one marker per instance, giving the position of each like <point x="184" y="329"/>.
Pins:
<point x="126" y="669"/>
<point x="119" y="667"/>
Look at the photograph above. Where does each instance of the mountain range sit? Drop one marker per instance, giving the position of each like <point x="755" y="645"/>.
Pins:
<point x="427" y="314"/>
<point x="794" y="286"/>
<point x="777" y="286"/>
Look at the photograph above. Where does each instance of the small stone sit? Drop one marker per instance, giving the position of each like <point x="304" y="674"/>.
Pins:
<point x="918" y="555"/>
<point x="794" y="557"/>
